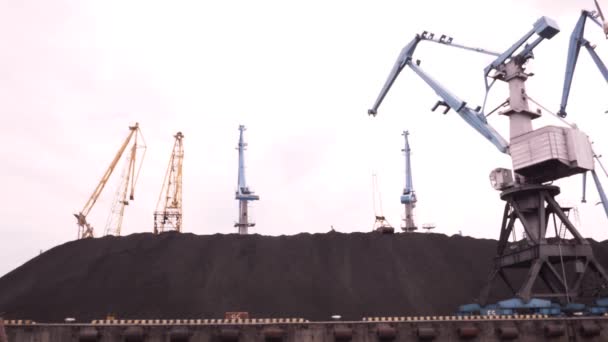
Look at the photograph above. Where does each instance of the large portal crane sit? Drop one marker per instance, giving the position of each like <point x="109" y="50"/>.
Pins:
<point x="538" y="156"/>
<point x="409" y="195"/>
<point x="168" y="214"/>
<point x="577" y="40"/>
<point x="243" y="194"/>
<point x="85" y="229"/>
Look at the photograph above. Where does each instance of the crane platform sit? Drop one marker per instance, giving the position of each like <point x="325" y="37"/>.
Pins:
<point x="427" y="328"/>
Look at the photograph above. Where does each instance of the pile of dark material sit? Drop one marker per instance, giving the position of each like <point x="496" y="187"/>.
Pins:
<point x="311" y="276"/>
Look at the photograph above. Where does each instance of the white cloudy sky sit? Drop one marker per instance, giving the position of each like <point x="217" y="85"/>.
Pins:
<point x="301" y="76"/>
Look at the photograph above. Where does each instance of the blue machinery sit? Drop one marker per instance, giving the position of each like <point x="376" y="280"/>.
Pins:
<point x="535" y="306"/>
<point x="409" y="196"/>
<point x="554" y="268"/>
<point x="243" y="194"/>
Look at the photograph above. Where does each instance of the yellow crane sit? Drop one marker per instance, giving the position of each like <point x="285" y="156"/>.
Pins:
<point x="168" y="214"/>
<point x="85" y="229"/>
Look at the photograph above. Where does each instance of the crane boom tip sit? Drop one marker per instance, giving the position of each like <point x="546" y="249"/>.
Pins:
<point x="372" y="112"/>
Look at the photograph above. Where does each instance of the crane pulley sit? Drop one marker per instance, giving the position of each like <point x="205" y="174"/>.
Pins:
<point x="85" y="229"/>
<point x="168" y="214"/>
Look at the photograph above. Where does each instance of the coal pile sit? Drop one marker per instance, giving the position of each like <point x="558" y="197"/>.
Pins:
<point x="312" y="276"/>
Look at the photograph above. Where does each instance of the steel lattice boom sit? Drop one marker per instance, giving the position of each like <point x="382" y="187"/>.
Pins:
<point x="168" y="214"/>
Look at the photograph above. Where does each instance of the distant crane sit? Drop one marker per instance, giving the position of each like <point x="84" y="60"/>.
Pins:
<point x="129" y="178"/>
<point x="168" y="214"/>
<point x="127" y="185"/>
<point x="243" y="194"/>
<point x="409" y="196"/>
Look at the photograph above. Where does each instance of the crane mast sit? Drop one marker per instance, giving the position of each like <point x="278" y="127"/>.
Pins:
<point x="243" y="194"/>
<point x="168" y="214"/>
<point x="408" y="198"/>
<point x="85" y="229"/>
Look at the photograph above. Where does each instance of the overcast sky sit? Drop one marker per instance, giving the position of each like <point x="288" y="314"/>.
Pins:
<point x="301" y="76"/>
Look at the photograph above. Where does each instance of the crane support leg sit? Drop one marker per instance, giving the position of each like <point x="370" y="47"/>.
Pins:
<point x="540" y="256"/>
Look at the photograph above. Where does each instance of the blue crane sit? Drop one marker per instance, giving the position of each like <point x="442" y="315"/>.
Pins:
<point x="409" y="195"/>
<point x="243" y="194"/>
<point x="526" y="190"/>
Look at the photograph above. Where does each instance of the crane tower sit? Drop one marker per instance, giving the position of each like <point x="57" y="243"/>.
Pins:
<point x="243" y="194"/>
<point x="409" y="196"/>
<point x="168" y="214"/>
<point x="127" y="185"/>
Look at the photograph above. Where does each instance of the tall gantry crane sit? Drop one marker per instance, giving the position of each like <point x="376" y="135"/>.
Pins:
<point x="408" y="198"/>
<point x="539" y="156"/>
<point x="577" y="40"/>
<point x="128" y="180"/>
<point x="243" y="193"/>
<point x="168" y="214"/>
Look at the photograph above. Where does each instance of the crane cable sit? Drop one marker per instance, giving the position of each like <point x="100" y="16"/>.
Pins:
<point x="375" y="192"/>
<point x="550" y="112"/>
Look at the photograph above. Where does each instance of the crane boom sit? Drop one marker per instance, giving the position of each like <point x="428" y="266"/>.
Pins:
<point x="473" y="118"/>
<point x="85" y="229"/>
<point x="168" y="214"/>
<point x="577" y="41"/>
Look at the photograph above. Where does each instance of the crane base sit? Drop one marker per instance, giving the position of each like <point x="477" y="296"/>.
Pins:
<point x="567" y="268"/>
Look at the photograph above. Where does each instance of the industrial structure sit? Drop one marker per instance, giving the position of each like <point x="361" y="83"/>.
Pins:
<point x="168" y="214"/>
<point x="408" y="198"/>
<point x="539" y="156"/>
<point x="243" y="194"/>
<point x="126" y="186"/>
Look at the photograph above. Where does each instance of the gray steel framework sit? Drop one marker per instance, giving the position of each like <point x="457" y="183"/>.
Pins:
<point x="534" y="206"/>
